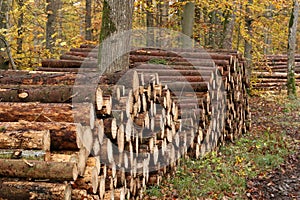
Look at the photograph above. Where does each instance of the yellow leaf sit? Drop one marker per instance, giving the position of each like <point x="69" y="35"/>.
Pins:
<point x="63" y="44"/>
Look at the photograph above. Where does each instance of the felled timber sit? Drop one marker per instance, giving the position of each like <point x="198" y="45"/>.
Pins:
<point x="20" y="189"/>
<point x="63" y="136"/>
<point x="59" y="171"/>
<point x="25" y="139"/>
<point x="40" y="112"/>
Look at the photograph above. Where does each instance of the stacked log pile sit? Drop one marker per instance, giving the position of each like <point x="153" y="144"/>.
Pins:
<point x="63" y="137"/>
<point x="271" y="73"/>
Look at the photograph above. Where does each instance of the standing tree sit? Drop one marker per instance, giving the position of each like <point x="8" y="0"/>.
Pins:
<point x="248" y="41"/>
<point x="4" y="46"/>
<point x="149" y="23"/>
<point x="292" y="37"/>
<point x="20" y="27"/>
<point x="116" y="18"/>
<point x="188" y="23"/>
<point x="228" y="26"/>
<point x="51" y="9"/>
<point x="88" y="19"/>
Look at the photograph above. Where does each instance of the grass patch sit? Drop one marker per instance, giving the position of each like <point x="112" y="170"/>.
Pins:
<point x="224" y="173"/>
<point x="158" y="61"/>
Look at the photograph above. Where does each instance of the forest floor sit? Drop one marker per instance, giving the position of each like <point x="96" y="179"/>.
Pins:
<point x="263" y="164"/>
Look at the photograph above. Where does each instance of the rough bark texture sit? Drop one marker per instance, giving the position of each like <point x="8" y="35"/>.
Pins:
<point x="114" y="50"/>
<point x="46" y="93"/>
<point x="64" y="136"/>
<point x="16" y="190"/>
<point x="25" y="139"/>
<point x="39" y="112"/>
<point x="291" y="86"/>
<point x="39" y="169"/>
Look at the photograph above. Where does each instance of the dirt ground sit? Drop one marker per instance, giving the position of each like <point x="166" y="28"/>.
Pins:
<point x="283" y="182"/>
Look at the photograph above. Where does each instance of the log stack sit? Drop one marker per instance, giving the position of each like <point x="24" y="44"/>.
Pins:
<point x="271" y="73"/>
<point x="112" y="135"/>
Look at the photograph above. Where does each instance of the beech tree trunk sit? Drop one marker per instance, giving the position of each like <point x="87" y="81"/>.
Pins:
<point x="114" y="51"/>
<point x="291" y="86"/>
<point x="187" y="24"/>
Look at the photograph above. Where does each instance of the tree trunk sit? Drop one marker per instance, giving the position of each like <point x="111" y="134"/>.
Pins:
<point x="150" y="23"/>
<point x="248" y="43"/>
<point x="51" y="9"/>
<point x="88" y="19"/>
<point x="187" y="24"/>
<point x="114" y="45"/>
<point x="291" y="86"/>
<point x="228" y="29"/>
<point x="20" y="27"/>
<point x="268" y="33"/>
<point x="4" y="46"/>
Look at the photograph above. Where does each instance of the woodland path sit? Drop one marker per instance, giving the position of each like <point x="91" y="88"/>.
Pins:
<point x="284" y="181"/>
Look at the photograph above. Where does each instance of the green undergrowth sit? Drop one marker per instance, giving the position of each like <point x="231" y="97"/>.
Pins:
<point x="224" y="174"/>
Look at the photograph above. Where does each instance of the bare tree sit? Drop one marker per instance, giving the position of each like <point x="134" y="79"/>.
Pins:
<point x="292" y="37"/>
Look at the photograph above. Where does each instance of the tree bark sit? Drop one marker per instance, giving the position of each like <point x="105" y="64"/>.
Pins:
<point x="229" y="23"/>
<point x="114" y="43"/>
<point x="68" y="63"/>
<point x="15" y="190"/>
<point x="47" y="93"/>
<point x="88" y="19"/>
<point x="149" y="23"/>
<point x="25" y="139"/>
<point x="248" y="42"/>
<point x="291" y="86"/>
<point x="51" y="9"/>
<point x="39" y="112"/>
<point x="63" y="136"/>
<point x="59" y="171"/>
<point x="188" y="24"/>
<point x="20" y="27"/>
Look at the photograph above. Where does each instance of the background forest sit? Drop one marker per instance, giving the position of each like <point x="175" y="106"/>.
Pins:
<point x="36" y="29"/>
